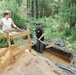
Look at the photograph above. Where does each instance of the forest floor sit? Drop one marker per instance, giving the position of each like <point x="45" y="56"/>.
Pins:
<point x="33" y="63"/>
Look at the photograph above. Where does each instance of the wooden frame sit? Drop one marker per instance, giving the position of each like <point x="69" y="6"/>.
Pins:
<point x="9" y="37"/>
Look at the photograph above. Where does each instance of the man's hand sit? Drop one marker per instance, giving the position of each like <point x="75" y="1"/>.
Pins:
<point x="16" y="28"/>
<point x="39" y="39"/>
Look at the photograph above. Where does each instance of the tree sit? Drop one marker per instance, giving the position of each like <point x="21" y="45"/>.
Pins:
<point x="40" y="8"/>
<point x="27" y="4"/>
<point x="32" y="9"/>
<point x="19" y="2"/>
<point x="37" y="9"/>
<point x="68" y="12"/>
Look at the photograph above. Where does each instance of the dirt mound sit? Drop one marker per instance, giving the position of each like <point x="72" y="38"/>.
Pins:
<point x="33" y="64"/>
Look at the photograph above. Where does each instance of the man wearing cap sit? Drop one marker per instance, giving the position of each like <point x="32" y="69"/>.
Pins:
<point x="40" y="35"/>
<point x="7" y="22"/>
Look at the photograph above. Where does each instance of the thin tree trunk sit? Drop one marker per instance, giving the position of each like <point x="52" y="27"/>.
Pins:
<point x="72" y="18"/>
<point x="36" y="9"/>
<point x="32" y="10"/>
<point x="27" y="4"/>
<point x="19" y="2"/>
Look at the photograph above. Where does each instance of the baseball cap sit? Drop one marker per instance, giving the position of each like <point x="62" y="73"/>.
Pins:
<point x="7" y="12"/>
<point x="37" y="23"/>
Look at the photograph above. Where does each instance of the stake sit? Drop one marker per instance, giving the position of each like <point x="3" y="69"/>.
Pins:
<point x="10" y="54"/>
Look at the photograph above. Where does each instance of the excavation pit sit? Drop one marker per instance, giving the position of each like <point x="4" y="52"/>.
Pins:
<point x="58" y="55"/>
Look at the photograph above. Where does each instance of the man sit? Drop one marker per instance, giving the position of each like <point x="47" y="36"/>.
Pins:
<point x="7" y="23"/>
<point x="40" y="35"/>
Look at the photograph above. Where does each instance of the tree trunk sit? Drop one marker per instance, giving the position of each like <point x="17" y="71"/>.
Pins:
<point x="36" y="9"/>
<point x="72" y="18"/>
<point x="32" y="10"/>
<point x="27" y="4"/>
<point x="19" y="2"/>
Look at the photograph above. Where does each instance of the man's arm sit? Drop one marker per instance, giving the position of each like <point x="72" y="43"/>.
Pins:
<point x="13" y="24"/>
<point x="42" y="36"/>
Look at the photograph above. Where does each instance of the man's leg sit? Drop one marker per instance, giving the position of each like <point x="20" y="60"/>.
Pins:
<point x="41" y="47"/>
<point x="38" y="45"/>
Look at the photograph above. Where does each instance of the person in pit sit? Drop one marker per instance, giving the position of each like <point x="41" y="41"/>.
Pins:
<point x="40" y="37"/>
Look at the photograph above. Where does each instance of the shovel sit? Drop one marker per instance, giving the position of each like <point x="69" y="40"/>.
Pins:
<point x="46" y="46"/>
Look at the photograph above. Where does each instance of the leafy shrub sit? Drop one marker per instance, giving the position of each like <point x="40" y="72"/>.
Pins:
<point x="3" y="42"/>
<point x="67" y="32"/>
<point x="72" y="37"/>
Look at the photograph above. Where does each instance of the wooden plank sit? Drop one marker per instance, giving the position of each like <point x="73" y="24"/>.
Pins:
<point x="3" y="35"/>
<point x="8" y="40"/>
<point x="20" y="34"/>
<point x="9" y="48"/>
<point x="29" y="42"/>
<point x="13" y="29"/>
<point x="19" y="44"/>
<point x="17" y="30"/>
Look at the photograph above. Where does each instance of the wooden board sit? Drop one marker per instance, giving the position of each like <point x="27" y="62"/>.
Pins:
<point x="3" y="34"/>
<point x="25" y="33"/>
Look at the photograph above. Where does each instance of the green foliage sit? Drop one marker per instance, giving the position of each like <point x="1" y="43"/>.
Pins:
<point x="3" y="42"/>
<point x="50" y="26"/>
<point x="67" y="32"/>
<point x="74" y="45"/>
<point x="72" y="37"/>
<point x="68" y="12"/>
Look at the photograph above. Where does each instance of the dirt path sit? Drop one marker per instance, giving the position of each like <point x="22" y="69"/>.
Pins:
<point x="33" y="64"/>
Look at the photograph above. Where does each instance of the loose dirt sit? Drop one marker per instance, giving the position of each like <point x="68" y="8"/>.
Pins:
<point x="32" y="63"/>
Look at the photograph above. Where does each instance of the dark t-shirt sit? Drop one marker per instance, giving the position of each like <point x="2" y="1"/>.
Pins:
<point x="39" y="32"/>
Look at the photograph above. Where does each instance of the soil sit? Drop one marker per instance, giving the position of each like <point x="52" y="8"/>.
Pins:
<point x="58" y="55"/>
<point x="32" y="63"/>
